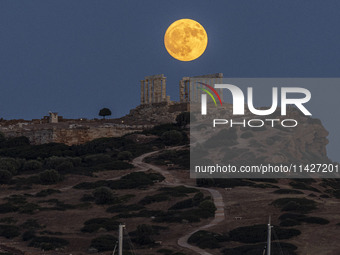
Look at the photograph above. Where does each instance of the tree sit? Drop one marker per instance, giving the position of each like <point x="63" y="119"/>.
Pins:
<point x="2" y="137"/>
<point x="184" y="119"/>
<point x="172" y="137"/>
<point x="105" y="112"/>
<point x="103" y="195"/>
<point x="5" y="176"/>
<point x="49" y="177"/>
<point x="125" y="155"/>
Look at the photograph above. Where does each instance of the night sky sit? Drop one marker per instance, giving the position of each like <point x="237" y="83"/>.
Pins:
<point x="75" y="57"/>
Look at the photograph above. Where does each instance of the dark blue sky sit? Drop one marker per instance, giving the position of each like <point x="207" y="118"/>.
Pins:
<point x="77" y="56"/>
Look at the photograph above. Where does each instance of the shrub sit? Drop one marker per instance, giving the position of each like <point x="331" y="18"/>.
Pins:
<point x="124" y="155"/>
<point x="208" y="206"/>
<point x="29" y="208"/>
<point x="49" y="177"/>
<point x="124" y="208"/>
<point x="97" y="158"/>
<point x="104" y="243"/>
<point x="47" y="192"/>
<point x="95" y="224"/>
<point x="258" y="233"/>
<point x="9" y="231"/>
<point x="8" y="220"/>
<point x="290" y="218"/>
<point x="277" y="248"/>
<point x="155" y="198"/>
<point x="178" y="191"/>
<point x="103" y="195"/>
<point x="65" y="166"/>
<point x="28" y="235"/>
<point x="289" y="223"/>
<point x="7" y="208"/>
<point x="288" y="191"/>
<point x="87" y="198"/>
<point x="144" y="235"/>
<point x="5" y="176"/>
<point x="48" y="243"/>
<point x="303" y="186"/>
<point x="183" y="119"/>
<point x="205" y="239"/>
<point x="10" y="164"/>
<point x="302" y="205"/>
<point x="32" y="165"/>
<point x="172" y="137"/>
<point x="31" y="224"/>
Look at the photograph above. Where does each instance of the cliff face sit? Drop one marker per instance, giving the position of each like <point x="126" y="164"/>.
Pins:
<point x="304" y="143"/>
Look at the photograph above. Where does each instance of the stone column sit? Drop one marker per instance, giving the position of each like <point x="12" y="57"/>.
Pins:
<point x="158" y="90"/>
<point x="181" y="90"/>
<point x="150" y="91"/>
<point x="146" y="97"/>
<point x="163" y="90"/>
<point x="153" y="91"/>
<point x="142" y="98"/>
<point x="190" y="90"/>
<point x="187" y="91"/>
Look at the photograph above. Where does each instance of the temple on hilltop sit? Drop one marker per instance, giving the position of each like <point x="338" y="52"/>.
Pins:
<point x="155" y="108"/>
<point x="153" y="88"/>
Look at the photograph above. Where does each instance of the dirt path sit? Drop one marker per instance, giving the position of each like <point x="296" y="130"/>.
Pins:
<point x="173" y="181"/>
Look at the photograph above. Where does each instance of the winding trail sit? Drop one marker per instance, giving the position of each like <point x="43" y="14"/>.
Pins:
<point x="172" y="181"/>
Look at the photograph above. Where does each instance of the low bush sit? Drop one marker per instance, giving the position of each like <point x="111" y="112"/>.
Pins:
<point x="303" y="186"/>
<point x="288" y="191"/>
<point x="48" y="243"/>
<point x="31" y="224"/>
<point x="47" y="192"/>
<point x="277" y="248"/>
<point x="8" y="220"/>
<point x="29" y="208"/>
<point x="124" y="155"/>
<point x="178" y="191"/>
<point x="124" y="208"/>
<point x="144" y="234"/>
<point x="49" y="177"/>
<point x="9" y="231"/>
<point x="8" y="207"/>
<point x="28" y="235"/>
<point x="298" y="218"/>
<point x="104" y="243"/>
<point x="258" y="233"/>
<point x="103" y="195"/>
<point x="5" y="176"/>
<point x="32" y="165"/>
<point x="153" y="199"/>
<point x="302" y="205"/>
<point x="95" y="224"/>
<point x="130" y="181"/>
<point x="205" y="239"/>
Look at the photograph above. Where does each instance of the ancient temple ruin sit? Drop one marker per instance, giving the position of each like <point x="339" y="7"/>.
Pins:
<point x="189" y="86"/>
<point x="153" y="89"/>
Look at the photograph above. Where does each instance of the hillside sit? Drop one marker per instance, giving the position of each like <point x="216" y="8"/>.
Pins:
<point x="70" y="200"/>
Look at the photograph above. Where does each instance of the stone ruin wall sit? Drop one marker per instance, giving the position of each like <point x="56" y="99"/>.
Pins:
<point x="73" y="135"/>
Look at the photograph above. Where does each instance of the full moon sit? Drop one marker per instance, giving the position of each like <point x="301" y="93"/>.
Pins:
<point x="185" y="39"/>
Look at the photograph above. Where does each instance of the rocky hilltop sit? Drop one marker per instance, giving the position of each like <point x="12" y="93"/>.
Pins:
<point x="304" y="143"/>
